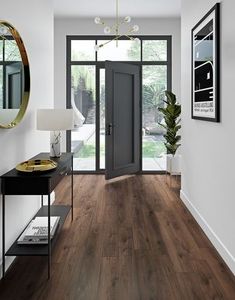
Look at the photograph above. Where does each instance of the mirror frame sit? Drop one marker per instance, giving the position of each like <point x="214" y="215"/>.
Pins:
<point x="25" y="62"/>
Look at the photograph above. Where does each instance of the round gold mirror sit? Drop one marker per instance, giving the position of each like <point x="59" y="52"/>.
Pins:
<point x="14" y="76"/>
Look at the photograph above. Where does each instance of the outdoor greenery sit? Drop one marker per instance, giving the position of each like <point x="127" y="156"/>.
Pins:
<point x="153" y="97"/>
<point x="151" y="149"/>
<point x="154" y="77"/>
<point x="155" y="50"/>
<point x="171" y="114"/>
<point x="134" y="51"/>
<point x="83" y="79"/>
<point x="12" y="52"/>
<point x="88" y="150"/>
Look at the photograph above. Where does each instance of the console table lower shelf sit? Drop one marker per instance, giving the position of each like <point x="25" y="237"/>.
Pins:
<point x="37" y="183"/>
<point x="41" y="249"/>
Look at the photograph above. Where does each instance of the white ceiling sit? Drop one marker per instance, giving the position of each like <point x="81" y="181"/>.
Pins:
<point x="106" y="8"/>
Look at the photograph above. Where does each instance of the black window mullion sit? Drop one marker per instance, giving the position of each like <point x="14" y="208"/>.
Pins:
<point x="141" y="50"/>
<point x="155" y="63"/>
<point x="68" y="90"/>
<point x="96" y="53"/>
<point x="141" y="118"/>
<point x="169" y="65"/>
<point x="4" y="74"/>
<point x="97" y="118"/>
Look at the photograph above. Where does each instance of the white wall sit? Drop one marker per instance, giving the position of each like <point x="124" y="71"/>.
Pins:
<point x="34" y="21"/>
<point x="208" y="159"/>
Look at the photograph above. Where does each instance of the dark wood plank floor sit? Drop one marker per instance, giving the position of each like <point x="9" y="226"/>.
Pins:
<point x="131" y="239"/>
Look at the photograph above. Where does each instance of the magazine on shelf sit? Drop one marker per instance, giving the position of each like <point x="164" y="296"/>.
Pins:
<point x="36" y="231"/>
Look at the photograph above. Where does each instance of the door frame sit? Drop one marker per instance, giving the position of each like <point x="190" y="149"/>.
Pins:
<point x="98" y="68"/>
<point x="101" y="65"/>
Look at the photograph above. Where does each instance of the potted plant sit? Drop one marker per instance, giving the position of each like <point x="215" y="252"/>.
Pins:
<point x="171" y="113"/>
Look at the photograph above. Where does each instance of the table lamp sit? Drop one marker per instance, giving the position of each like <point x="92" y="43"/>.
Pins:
<point x="55" y="120"/>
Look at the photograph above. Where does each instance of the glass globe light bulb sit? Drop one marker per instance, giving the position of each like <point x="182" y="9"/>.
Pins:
<point x="97" y="20"/>
<point x="135" y="28"/>
<point x="127" y="19"/>
<point x="107" y="29"/>
<point x="136" y="40"/>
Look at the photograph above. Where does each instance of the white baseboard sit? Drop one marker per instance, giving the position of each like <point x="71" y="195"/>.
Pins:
<point x="217" y="243"/>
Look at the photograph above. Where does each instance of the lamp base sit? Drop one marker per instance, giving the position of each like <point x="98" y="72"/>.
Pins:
<point x="55" y="137"/>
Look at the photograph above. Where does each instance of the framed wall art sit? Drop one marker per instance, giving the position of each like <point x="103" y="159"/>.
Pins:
<point x="206" y="67"/>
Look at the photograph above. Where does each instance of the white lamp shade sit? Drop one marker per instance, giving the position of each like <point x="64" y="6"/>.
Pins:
<point x="55" y="119"/>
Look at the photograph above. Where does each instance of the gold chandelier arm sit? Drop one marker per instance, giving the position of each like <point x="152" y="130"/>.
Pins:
<point x="129" y="37"/>
<point x="114" y="39"/>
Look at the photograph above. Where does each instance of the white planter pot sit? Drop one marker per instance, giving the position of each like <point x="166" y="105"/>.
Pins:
<point x="173" y="164"/>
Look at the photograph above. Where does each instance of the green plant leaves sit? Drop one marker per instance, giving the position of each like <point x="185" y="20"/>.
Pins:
<point x="171" y="114"/>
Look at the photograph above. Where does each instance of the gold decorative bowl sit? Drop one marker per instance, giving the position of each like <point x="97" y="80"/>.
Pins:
<point x="36" y="165"/>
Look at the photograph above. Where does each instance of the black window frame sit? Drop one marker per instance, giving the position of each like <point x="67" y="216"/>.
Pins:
<point x="100" y="64"/>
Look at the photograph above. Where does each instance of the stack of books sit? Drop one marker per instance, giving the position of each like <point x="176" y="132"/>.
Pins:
<point x="37" y="230"/>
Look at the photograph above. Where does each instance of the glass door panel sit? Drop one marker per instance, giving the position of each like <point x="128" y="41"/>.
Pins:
<point x="1" y="86"/>
<point x="153" y="148"/>
<point x="102" y="118"/>
<point x="83" y="100"/>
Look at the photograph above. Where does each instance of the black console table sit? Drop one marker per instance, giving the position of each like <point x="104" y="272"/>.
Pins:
<point x="19" y="183"/>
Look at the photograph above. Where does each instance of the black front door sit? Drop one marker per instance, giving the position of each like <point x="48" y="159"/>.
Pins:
<point x="122" y="114"/>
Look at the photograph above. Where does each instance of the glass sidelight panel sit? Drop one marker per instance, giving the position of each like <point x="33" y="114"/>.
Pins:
<point x="1" y="86"/>
<point x="1" y="50"/>
<point x="102" y="118"/>
<point x="153" y="148"/>
<point x="83" y="101"/>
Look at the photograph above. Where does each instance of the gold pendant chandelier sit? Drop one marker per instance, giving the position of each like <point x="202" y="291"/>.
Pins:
<point x="115" y="28"/>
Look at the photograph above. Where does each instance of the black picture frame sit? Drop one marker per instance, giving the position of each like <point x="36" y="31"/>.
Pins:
<point x="205" y="102"/>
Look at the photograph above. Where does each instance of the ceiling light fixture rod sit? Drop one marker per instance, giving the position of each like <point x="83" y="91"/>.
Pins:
<point x="117" y="23"/>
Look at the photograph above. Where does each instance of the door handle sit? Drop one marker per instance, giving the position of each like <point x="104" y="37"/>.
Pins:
<point x="109" y="129"/>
